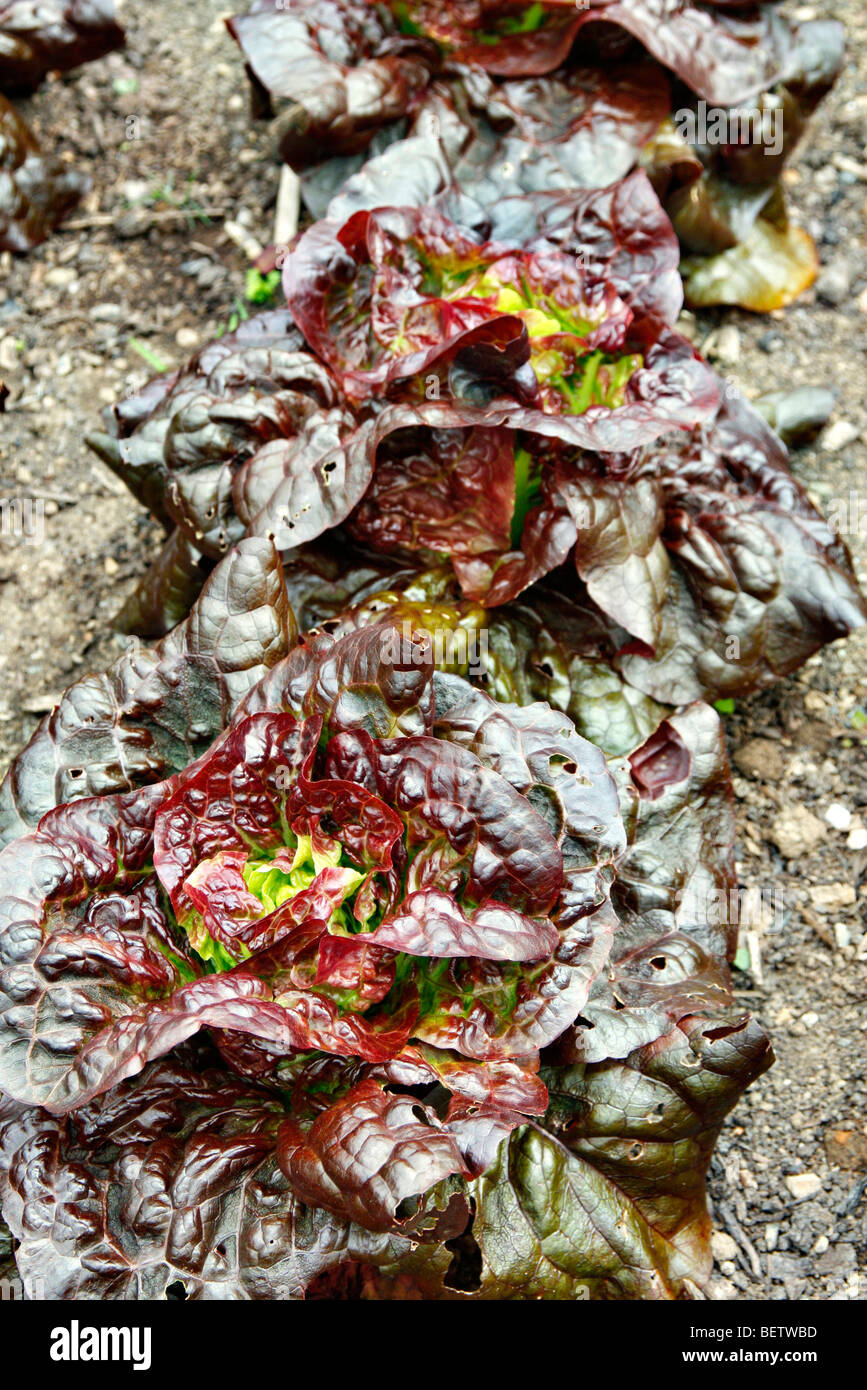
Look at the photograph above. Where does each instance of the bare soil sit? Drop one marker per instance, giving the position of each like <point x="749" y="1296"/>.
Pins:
<point x="164" y="132"/>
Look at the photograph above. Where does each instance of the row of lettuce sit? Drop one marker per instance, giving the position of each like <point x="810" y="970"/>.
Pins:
<point x="367" y="933"/>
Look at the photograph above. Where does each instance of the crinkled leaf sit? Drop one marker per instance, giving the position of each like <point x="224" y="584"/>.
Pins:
<point x="332" y="70"/>
<point x="622" y="234"/>
<point x="155" y="710"/>
<point x="674" y="892"/>
<point x="84" y="936"/>
<point x="482" y="150"/>
<point x="370" y="1157"/>
<point x="179" y="446"/>
<point x="758" y="580"/>
<point x="450" y="490"/>
<point x="615" y="1202"/>
<point x="365" y="681"/>
<point x="170" y="1178"/>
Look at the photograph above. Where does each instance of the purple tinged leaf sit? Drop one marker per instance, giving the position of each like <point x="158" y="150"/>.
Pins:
<point x="613" y="1205"/>
<point x="673" y="894"/>
<point x="155" y="710"/>
<point x="359" y="682"/>
<point x="331" y="69"/>
<point x="372" y="1155"/>
<point x="172" y="1177"/>
<point x="759" y="581"/>
<point x="430" y="923"/>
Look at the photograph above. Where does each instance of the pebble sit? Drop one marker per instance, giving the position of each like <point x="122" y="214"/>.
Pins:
<point x="839" y="436"/>
<point x="771" y="341"/>
<point x="209" y="275"/>
<point x="133" y="222"/>
<point x="857" y="838"/>
<point x="723" y="1247"/>
<point x="187" y="338"/>
<point x="725" y="345"/>
<point x="851" y="170"/>
<point x="838" y="816"/>
<point x="795" y="831"/>
<point x="789" y="1270"/>
<point x="810" y="1019"/>
<point x="838" y="1260"/>
<point x="834" y="283"/>
<point x="762" y="758"/>
<point x="842" y="935"/>
<point x="821" y="1245"/>
<point x="797" y="415"/>
<point x="133" y="190"/>
<point x="723" y="1290"/>
<point x="832" y="897"/>
<point x="10" y="357"/>
<point x="772" y="1235"/>
<point x="803" y="1185"/>
<point x="59" y="277"/>
<point x="106" y="313"/>
<point x="242" y="239"/>
<point x="846" y="1149"/>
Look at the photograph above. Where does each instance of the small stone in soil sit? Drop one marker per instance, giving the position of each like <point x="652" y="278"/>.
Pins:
<point x="803" y="1185"/>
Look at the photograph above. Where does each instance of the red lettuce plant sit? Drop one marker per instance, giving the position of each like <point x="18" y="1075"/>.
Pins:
<point x="382" y="895"/>
<point x="522" y="338"/>
<point x="37" y="191"/>
<point x="507" y="99"/>
<point x="705" y="568"/>
<point x="697" y="551"/>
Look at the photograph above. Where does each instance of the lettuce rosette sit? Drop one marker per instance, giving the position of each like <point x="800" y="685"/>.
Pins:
<point x="298" y="1008"/>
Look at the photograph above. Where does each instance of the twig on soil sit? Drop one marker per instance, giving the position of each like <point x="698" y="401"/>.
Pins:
<point x="106" y="219"/>
<point x="63" y="499"/>
<point x="822" y="930"/>
<point x="849" y="1204"/>
<point x="738" y="1234"/>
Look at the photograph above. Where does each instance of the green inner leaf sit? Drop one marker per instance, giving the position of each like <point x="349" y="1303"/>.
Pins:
<point x="527" y="22"/>
<point x="528" y="492"/>
<point x="582" y="380"/>
<point x="274" y="886"/>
